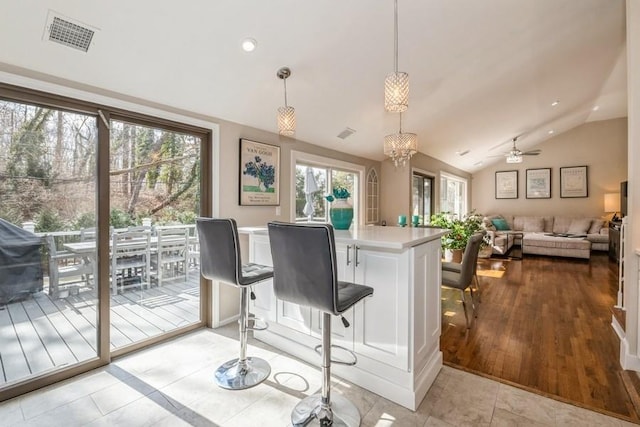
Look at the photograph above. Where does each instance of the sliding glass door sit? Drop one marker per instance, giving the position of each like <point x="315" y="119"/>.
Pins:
<point x="99" y="253"/>
<point x="48" y="293"/>
<point x="154" y="259"/>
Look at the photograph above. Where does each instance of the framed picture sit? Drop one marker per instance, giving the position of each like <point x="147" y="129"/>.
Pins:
<point x="507" y="184"/>
<point x="539" y="183"/>
<point x="259" y="174"/>
<point x="574" y="182"/>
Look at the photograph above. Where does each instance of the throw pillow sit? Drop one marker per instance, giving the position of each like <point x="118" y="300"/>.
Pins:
<point x="579" y="226"/>
<point x="487" y="224"/>
<point x="533" y="223"/>
<point x="500" y="224"/>
<point x="596" y="226"/>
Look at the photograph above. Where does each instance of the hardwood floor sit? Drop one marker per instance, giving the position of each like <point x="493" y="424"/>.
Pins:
<point x="544" y="323"/>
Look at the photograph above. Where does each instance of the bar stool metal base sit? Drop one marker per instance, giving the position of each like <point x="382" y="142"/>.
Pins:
<point x="308" y="412"/>
<point x="233" y="376"/>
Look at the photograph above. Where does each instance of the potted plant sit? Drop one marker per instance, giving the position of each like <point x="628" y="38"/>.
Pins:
<point x="341" y="211"/>
<point x="456" y="240"/>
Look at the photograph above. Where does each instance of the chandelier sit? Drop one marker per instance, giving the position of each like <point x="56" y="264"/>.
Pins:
<point x="396" y="84"/>
<point x="286" y="114"/>
<point x="400" y="146"/>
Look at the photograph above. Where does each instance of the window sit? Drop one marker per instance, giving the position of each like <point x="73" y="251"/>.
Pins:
<point x="372" y="197"/>
<point x="315" y="177"/>
<point x="453" y="194"/>
<point x="422" y="196"/>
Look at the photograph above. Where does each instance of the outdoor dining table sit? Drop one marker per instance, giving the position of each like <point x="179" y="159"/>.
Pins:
<point x="87" y="250"/>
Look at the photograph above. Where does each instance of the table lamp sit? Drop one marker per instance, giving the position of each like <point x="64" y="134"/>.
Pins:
<point x="612" y="204"/>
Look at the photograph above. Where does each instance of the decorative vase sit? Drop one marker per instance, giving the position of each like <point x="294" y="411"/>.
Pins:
<point x="341" y="214"/>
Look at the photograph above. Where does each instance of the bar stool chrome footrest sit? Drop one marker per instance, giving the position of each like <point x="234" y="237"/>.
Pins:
<point x="257" y="324"/>
<point x="234" y="375"/>
<point x="318" y="349"/>
<point x="310" y="411"/>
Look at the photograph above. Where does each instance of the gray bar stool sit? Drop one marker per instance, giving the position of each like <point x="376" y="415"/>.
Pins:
<point x="220" y="260"/>
<point x="305" y="273"/>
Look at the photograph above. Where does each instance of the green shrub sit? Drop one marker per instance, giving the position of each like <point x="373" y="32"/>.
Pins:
<point x="120" y="219"/>
<point x="48" y="220"/>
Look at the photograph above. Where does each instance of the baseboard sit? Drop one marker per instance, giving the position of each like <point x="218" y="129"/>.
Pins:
<point x="628" y="361"/>
<point x="631" y="383"/>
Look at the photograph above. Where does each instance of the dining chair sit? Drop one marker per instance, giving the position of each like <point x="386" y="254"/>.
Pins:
<point x="130" y="260"/>
<point x="462" y="279"/>
<point x="170" y="257"/>
<point x="457" y="267"/>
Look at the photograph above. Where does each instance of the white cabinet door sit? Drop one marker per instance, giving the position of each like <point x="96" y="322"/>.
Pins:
<point x="345" y="262"/>
<point x="381" y="324"/>
<point x="427" y="273"/>
<point x="264" y="306"/>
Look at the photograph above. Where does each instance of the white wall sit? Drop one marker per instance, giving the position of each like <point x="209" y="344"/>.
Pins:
<point x="230" y="134"/>
<point x="396" y="185"/>
<point x="629" y="351"/>
<point x="602" y="146"/>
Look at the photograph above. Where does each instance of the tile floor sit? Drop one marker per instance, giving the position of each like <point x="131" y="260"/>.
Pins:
<point x="171" y="385"/>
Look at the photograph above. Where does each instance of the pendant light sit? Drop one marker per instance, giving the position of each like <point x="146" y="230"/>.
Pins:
<point x="396" y="84"/>
<point x="286" y="114"/>
<point x="400" y="146"/>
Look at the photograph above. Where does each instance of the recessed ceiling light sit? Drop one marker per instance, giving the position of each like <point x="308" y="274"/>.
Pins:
<point x="462" y="153"/>
<point x="595" y="108"/>
<point x="478" y="163"/>
<point x="550" y="131"/>
<point x="554" y="103"/>
<point x="249" y="44"/>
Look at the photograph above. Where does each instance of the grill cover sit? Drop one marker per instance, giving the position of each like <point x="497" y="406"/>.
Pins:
<point x="20" y="262"/>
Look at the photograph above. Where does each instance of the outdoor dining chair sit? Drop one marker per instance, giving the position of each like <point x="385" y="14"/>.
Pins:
<point x="64" y="265"/>
<point x="130" y="260"/>
<point x="170" y="258"/>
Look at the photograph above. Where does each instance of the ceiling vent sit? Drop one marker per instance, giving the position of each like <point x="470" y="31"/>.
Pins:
<point x="63" y="30"/>
<point x="346" y="133"/>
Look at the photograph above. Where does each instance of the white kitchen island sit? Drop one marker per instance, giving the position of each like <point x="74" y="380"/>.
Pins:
<point x="395" y="333"/>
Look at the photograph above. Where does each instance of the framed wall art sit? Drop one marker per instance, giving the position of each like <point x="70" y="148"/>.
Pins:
<point x="507" y="184"/>
<point x="259" y="174"/>
<point x="574" y="182"/>
<point x="538" y="183"/>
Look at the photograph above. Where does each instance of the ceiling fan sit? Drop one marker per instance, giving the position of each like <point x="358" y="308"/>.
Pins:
<point x="515" y="155"/>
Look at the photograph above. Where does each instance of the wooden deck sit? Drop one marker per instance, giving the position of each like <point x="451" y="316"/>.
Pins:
<point x="41" y="333"/>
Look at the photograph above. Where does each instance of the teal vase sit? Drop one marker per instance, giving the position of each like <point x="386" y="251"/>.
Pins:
<point x="341" y="214"/>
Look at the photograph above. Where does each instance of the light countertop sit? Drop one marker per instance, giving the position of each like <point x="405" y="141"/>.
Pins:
<point x="375" y="236"/>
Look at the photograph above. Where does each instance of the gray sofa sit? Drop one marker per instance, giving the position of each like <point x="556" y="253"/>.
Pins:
<point x="531" y="232"/>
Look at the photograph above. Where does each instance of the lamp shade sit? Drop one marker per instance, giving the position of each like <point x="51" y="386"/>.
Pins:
<point x="286" y="120"/>
<point x="612" y="202"/>
<point x="400" y="147"/>
<point x="396" y="92"/>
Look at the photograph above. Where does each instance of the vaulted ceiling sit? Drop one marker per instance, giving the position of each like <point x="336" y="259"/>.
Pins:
<point x="481" y="72"/>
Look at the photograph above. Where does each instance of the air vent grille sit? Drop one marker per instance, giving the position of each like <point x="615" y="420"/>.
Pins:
<point x="70" y="34"/>
<point x="346" y="133"/>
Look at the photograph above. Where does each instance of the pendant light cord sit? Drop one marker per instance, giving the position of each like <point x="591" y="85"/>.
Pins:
<point x="395" y="35"/>
<point x="285" y="91"/>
